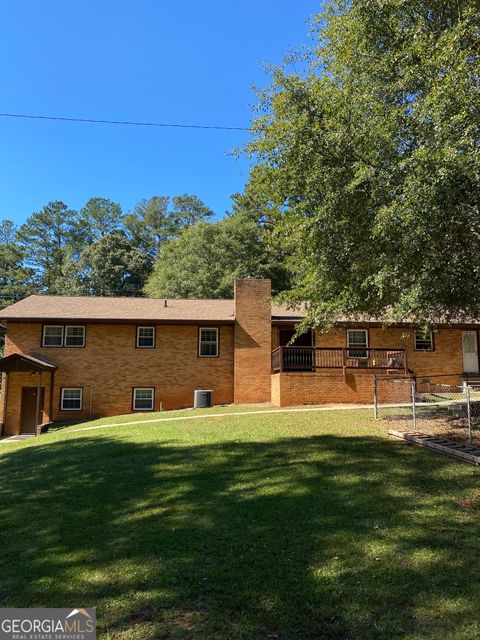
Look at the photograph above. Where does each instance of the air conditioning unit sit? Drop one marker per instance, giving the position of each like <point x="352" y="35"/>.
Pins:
<point x="203" y="398"/>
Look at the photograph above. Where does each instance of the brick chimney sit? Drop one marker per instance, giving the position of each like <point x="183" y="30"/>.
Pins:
<point x="253" y="340"/>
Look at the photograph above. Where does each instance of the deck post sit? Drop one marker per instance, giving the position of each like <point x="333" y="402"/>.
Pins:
<point x="39" y="393"/>
<point x="375" y="397"/>
<point x="281" y="359"/>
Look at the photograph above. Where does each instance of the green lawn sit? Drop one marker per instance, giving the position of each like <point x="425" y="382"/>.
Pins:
<point x="285" y="526"/>
<point x="189" y="413"/>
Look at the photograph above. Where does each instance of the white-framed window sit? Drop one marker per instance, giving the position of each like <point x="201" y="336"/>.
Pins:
<point x="208" y="343"/>
<point x="71" y="399"/>
<point x="357" y="343"/>
<point x="145" y="337"/>
<point x="74" y="336"/>
<point x="52" y="335"/>
<point x="423" y="341"/>
<point x="143" y="398"/>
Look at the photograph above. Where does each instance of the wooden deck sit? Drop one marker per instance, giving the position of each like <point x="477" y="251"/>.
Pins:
<point x="360" y="358"/>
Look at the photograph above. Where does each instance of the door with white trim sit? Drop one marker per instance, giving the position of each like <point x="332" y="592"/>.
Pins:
<point x="470" y="351"/>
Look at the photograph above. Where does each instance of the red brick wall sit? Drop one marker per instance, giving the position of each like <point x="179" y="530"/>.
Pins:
<point x="253" y="341"/>
<point x="445" y="359"/>
<point x="110" y="366"/>
<point x="390" y="391"/>
<point x="327" y="387"/>
<point x="330" y="386"/>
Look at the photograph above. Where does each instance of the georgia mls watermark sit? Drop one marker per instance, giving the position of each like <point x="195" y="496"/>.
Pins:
<point x="48" y="624"/>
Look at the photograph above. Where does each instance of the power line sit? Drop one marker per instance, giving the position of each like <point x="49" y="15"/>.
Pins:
<point x="163" y="125"/>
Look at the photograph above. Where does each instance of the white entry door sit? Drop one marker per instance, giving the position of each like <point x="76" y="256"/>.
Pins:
<point x="470" y="351"/>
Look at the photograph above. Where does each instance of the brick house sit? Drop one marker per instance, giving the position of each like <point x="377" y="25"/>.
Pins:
<point x="80" y="357"/>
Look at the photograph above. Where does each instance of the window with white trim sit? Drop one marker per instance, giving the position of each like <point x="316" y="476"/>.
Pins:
<point x="74" y="336"/>
<point x="145" y="337"/>
<point x="52" y="335"/>
<point x="71" y="399"/>
<point x="143" y="399"/>
<point x="357" y="343"/>
<point x="423" y="341"/>
<point x="208" y="343"/>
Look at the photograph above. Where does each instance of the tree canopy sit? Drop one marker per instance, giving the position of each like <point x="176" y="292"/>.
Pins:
<point x="367" y="162"/>
<point x="161" y="218"/>
<point x="205" y="259"/>
<point x="48" y="239"/>
<point x="112" y="266"/>
<point x="363" y="198"/>
<point x="99" y="217"/>
<point x="15" y="277"/>
<point x="97" y="250"/>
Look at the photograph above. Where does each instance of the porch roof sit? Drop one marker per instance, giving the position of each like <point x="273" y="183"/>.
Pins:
<point x="21" y="362"/>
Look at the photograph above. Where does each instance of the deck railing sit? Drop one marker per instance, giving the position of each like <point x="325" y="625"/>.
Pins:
<point x="313" y="358"/>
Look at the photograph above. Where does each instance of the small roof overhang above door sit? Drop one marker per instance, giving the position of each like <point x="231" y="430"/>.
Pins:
<point x="21" y="362"/>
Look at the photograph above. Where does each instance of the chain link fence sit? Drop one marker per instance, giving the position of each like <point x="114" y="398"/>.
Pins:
<point x="426" y="406"/>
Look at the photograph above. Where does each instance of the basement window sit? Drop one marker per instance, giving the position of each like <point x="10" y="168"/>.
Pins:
<point x="423" y="341"/>
<point x="52" y="335"/>
<point x="143" y="399"/>
<point x="208" y="343"/>
<point x="71" y="399"/>
<point x="145" y="337"/>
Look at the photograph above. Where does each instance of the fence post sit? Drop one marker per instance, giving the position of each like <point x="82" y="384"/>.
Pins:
<point x="414" y="411"/>
<point x="375" y="398"/>
<point x="469" y="413"/>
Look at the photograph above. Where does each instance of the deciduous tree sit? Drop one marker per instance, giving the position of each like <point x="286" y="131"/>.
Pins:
<point x="205" y="259"/>
<point x="368" y="162"/>
<point x="114" y="266"/>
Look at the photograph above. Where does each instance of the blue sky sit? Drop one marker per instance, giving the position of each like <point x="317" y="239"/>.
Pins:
<point x="179" y="61"/>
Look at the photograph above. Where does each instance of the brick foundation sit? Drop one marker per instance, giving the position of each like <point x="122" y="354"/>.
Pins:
<point x="327" y="387"/>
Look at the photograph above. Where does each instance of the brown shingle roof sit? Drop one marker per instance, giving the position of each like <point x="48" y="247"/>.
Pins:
<point x="22" y="362"/>
<point x="42" y="307"/>
<point x="282" y="313"/>
<point x="109" y="309"/>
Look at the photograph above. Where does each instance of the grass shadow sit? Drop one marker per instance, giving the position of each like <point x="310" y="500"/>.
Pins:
<point x="297" y="539"/>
